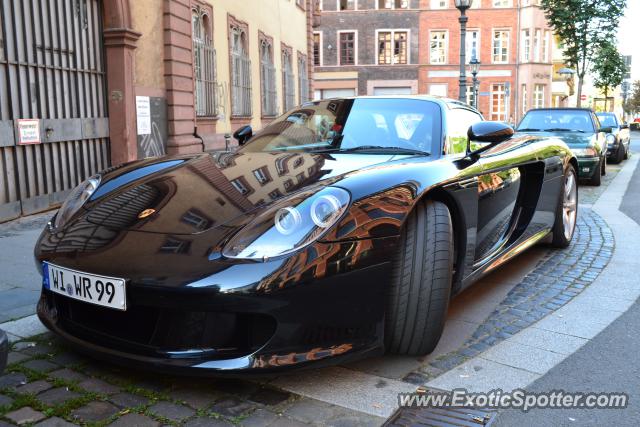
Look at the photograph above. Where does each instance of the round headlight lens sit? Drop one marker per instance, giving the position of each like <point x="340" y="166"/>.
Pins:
<point x="77" y="198"/>
<point x="324" y="210"/>
<point x="287" y="220"/>
<point x="611" y="139"/>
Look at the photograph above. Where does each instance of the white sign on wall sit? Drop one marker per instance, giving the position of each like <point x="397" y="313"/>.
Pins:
<point x="143" y="115"/>
<point x="28" y="131"/>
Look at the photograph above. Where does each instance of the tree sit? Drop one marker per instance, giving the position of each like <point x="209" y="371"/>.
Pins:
<point x="583" y="26"/>
<point x="609" y="68"/>
<point x="632" y="106"/>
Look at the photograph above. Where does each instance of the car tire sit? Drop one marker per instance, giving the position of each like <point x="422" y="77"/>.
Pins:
<point x="419" y="293"/>
<point x="567" y="210"/>
<point x="603" y="164"/>
<point x="626" y="154"/>
<point x="596" y="179"/>
<point x="619" y="156"/>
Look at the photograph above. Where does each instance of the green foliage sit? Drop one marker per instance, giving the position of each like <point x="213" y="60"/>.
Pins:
<point x="608" y="68"/>
<point x="632" y="105"/>
<point x="584" y="26"/>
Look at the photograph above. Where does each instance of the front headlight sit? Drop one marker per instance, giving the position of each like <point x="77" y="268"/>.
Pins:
<point x="611" y="139"/>
<point x="289" y="225"/>
<point x="76" y="200"/>
<point x="585" y="152"/>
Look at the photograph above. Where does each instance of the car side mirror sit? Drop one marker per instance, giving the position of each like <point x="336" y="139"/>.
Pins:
<point x="624" y="126"/>
<point x="243" y="134"/>
<point x="492" y="132"/>
<point x="606" y="130"/>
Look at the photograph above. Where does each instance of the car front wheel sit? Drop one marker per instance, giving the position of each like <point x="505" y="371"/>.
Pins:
<point x="420" y="289"/>
<point x="596" y="179"/>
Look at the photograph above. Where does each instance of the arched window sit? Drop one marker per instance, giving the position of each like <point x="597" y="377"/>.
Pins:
<point x="267" y="77"/>
<point x="288" y="79"/>
<point x="240" y="70"/>
<point x="204" y="64"/>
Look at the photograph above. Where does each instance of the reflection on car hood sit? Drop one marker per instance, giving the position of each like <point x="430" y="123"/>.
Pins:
<point x="572" y="139"/>
<point x="194" y="194"/>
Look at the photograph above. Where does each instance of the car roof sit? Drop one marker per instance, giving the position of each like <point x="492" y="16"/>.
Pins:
<point x="561" y="109"/>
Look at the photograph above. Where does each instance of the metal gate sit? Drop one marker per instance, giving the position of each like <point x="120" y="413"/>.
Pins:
<point x="52" y="70"/>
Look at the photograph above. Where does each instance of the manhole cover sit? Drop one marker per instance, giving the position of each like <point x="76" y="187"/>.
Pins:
<point x="441" y="417"/>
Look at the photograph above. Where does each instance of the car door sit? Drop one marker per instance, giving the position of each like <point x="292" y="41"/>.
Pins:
<point x="498" y="188"/>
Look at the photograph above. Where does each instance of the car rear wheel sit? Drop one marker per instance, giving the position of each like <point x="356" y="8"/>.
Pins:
<point x="566" y="211"/>
<point x="420" y="289"/>
<point x="626" y="153"/>
<point x="619" y="156"/>
<point x="603" y="164"/>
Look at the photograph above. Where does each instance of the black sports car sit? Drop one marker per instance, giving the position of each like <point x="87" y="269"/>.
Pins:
<point x="339" y="231"/>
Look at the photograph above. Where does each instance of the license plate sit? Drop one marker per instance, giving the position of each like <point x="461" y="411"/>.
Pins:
<point x="99" y="290"/>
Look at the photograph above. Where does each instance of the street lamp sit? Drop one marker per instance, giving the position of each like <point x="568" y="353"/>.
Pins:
<point x="474" y="65"/>
<point x="462" y="6"/>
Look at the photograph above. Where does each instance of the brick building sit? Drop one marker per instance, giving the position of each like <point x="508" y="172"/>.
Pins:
<point x="366" y="47"/>
<point x="407" y="46"/>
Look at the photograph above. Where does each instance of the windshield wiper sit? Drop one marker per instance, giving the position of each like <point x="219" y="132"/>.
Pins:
<point x="563" y="130"/>
<point x="376" y="148"/>
<point x="529" y="130"/>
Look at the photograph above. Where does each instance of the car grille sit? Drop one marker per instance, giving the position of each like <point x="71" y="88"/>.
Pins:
<point x="151" y="331"/>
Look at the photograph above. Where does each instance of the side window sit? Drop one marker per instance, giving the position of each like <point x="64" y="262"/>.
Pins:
<point x="458" y="122"/>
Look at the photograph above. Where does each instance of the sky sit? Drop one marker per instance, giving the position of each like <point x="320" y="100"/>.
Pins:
<point x="629" y="36"/>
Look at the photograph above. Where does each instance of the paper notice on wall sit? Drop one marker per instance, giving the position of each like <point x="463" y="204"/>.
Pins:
<point x="143" y="115"/>
<point x="28" y="131"/>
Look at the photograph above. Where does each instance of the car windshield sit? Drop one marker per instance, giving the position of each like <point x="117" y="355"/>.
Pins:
<point x="556" y="121"/>
<point x="376" y="125"/>
<point x="607" y="120"/>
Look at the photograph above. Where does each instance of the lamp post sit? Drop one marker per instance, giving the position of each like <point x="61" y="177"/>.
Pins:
<point x="567" y="73"/>
<point x="474" y="64"/>
<point x="462" y="6"/>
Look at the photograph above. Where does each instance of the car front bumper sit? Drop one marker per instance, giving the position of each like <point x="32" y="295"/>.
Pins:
<point x="587" y="167"/>
<point x="201" y="330"/>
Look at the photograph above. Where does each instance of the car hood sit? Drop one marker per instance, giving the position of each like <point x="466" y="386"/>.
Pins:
<point x="189" y="195"/>
<point x="572" y="139"/>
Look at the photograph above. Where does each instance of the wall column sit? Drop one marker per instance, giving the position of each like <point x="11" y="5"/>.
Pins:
<point x="179" y="78"/>
<point x="120" y="44"/>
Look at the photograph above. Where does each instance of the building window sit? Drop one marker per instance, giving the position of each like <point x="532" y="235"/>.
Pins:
<point x="536" y="46"/>
<point x="392" y="47"/>
<point x="500" y="47"/>
<point x="439" y="4"/>
<point x="303" y="78"/>
<point x="347" y="47"/>
<point x="242" y="185"/>
<point x="196" y="219"/>
<point x="525" y="106"/>
<point x="498" y="111"/>
<point x="288" y="79"/>
<point x="473" y="45"/>
<point x="393" y="4"/>
<point x="268" y="78"/>
<point x="438" y="89"/>
<point x="262" y="175"/>
<point x="438" y="47"/>
<point x="240" y="71"/>
<point x="174" y="245"/>
<point x="545" y="47"/>
<point x="204" y="65"/>
<point x="347" y="5"/>
<point x="317" y="49"/>
<point x="526" y="45"/>
<point x="501" y="3"/>
<point x="275" y="194"/>
<point x="538" y="96"/>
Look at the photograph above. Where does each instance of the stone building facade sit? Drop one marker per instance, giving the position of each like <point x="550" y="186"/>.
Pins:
<point x="510" y="38"/>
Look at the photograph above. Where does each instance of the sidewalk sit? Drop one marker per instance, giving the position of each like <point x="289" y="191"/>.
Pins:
<point x="20" y="281"/>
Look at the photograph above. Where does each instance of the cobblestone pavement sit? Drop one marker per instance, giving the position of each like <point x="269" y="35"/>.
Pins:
<point x="558" y="278"/>
<point x="47" y="386"/>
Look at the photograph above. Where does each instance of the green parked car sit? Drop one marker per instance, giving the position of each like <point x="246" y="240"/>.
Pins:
<point x="580" y="129"/>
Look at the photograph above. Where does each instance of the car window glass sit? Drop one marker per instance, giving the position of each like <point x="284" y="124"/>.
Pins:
<point x="458" y="122"/>
<point x="607" y="120"/>
<point x="557" y="120"/>
<point x="350" y="123"/>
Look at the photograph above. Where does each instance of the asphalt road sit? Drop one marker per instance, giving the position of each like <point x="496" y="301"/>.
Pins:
<point x="608" y="363"/>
